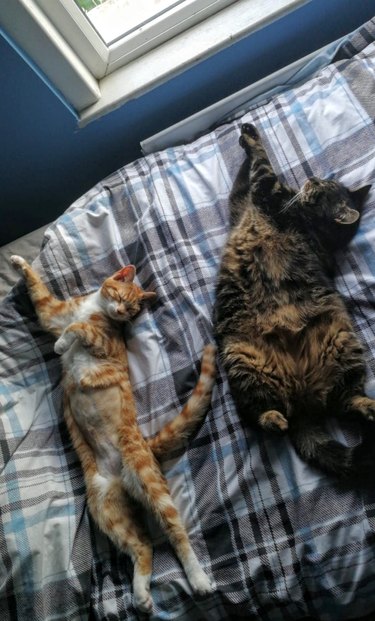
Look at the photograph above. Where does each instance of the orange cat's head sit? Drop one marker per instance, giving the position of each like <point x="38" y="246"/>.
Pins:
<point x="121" y="298"/>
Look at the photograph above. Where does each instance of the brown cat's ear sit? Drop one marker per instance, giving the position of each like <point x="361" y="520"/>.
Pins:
<point x="359" y="196"/>
<point x="348" y="216"/>
<point x="125" y="274"/>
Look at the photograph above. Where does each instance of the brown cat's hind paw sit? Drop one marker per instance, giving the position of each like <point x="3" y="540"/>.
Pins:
<point x="364" y="406"/>
<point x="272" y="420"/>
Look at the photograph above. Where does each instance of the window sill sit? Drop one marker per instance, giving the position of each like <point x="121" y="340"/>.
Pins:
<point x="184" y="51"/>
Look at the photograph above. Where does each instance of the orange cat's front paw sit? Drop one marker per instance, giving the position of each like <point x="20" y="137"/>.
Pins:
<point x="64" y="342"/>
<point x="18" y="262"/>
<point x="60" y="347"/>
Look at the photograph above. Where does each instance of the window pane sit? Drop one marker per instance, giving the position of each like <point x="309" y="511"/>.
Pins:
<point x="115" y="18"/>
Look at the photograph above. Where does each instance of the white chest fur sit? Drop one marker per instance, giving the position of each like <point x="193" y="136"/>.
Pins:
<point x="77" y="359"/>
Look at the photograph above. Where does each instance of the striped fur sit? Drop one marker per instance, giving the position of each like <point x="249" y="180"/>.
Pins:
<point x="284" y="336"/>
<point x="120" y="466"/>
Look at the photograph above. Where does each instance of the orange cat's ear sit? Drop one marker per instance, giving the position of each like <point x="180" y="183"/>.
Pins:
<point x="125" y="274"/>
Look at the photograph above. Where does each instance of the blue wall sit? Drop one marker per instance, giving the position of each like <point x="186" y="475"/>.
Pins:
<point x="46" y="162"/>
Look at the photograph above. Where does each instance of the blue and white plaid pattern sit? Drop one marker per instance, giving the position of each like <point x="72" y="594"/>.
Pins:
<point x="278" y="539"/>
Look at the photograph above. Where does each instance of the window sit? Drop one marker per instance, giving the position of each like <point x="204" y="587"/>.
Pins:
<point x="98" y="54"/>
<point x="113" y="19"/>
<point x="123" y="30"/>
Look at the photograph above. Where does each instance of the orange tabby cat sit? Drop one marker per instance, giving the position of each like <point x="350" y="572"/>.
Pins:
<point x="119" y="464"/>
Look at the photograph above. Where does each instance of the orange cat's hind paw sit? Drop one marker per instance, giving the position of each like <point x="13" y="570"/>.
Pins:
<point x="199" y="581"/>
<point x="142" y="596"/>
<point x="272" y="420"/>
<point x="143" y="603"/>
<point x="201" y="584"/>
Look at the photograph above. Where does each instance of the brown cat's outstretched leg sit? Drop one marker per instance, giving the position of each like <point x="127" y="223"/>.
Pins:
<point x="264" y="184"/>
<point x="242" y="185"/>
<point x="240" y="193"/>
<point x="252" y="145"/>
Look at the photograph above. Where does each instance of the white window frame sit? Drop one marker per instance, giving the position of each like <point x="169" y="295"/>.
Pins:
<point x="94" y="78"/>
<point x="84" y="40"/>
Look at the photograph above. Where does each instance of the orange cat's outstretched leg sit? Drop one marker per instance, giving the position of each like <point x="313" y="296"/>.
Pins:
<point x="53" y="314"/>
<point x="112" y="511"/>
<point x="144" y="480"/>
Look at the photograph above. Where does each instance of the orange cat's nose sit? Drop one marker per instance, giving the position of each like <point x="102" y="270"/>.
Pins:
<point x="120" y="310"/>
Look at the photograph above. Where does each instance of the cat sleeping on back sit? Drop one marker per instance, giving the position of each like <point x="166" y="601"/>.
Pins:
<point x="118" y="463"/>
<point x="284" y="335"/>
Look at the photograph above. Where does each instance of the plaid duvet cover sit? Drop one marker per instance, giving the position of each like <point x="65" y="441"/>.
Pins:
<point x="279" y="540"/>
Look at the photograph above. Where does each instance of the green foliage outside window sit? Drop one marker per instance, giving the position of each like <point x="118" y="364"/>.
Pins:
<point x="88" y="4"/>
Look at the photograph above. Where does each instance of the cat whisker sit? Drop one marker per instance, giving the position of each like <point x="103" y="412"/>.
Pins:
<point x="291" y="202"/>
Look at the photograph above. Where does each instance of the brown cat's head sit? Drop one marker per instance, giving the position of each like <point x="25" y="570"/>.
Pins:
<point x="121" y="298"/>
<point x="332" y="210"/>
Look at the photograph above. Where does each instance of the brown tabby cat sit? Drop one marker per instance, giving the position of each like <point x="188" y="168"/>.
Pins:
<point x="118" y="463"/>
<point x="283" y="333"/>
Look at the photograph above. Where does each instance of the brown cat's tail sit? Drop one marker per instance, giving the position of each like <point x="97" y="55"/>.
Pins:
<point x="173" y="435"/>
<point x="315" y="446"/>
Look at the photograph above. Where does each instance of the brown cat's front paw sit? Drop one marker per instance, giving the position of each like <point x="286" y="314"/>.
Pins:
<point x="249" y="137"/>
<point x="250" y="130"/>
<point x="272" y="420"/>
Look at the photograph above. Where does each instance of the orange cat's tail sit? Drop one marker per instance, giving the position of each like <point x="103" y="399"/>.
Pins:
<point x="173" y="435"/>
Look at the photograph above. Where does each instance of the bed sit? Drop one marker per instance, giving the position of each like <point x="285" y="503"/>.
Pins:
<point x="279" y="540"/>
